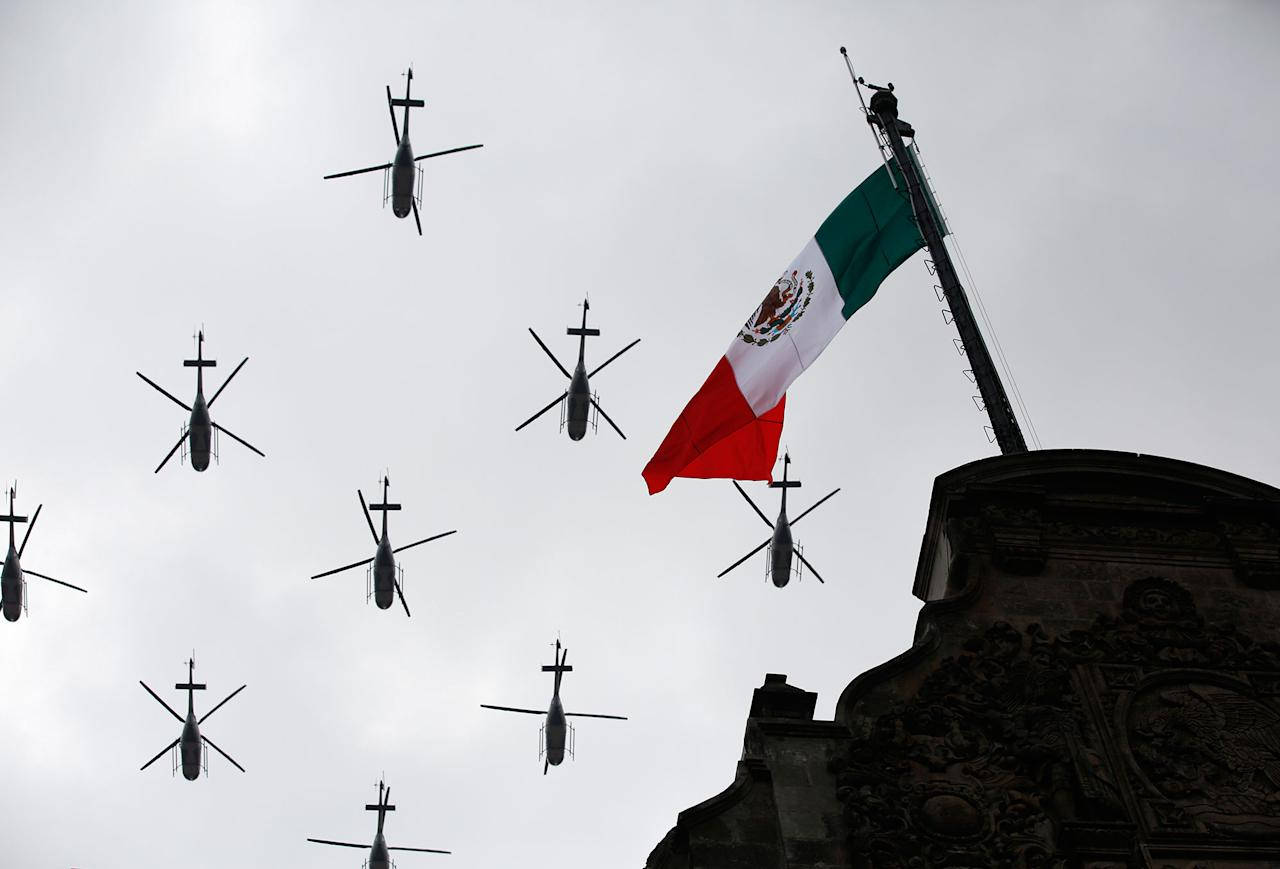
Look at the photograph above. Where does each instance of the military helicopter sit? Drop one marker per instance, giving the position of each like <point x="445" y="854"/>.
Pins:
<point x="781" y="546"/>
<point x="406" y="180"/>
<point x="555" y="729"/>
<point x="378" y="856"/>
<point x="199" y="430"/>
<point x="189" y="743"/>
<point x="12" y="584"/>
<point x="580" y="398"/>
<point x="386" y="583"/>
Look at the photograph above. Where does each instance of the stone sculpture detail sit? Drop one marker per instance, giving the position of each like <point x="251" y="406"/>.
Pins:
<point x="1029" y="750"/>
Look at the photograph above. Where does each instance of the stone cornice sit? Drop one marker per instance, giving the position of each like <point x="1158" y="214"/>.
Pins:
<point x="1023" y="508"/>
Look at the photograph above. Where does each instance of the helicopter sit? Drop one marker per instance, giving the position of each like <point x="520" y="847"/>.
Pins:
<point x="579" y="396"/>
<point x="404" y="177"/>
<point x="386" y="584"/>
<point x="190" y="742"/>
<point x="556" y="728"/>
<point x="12" y="584"/>
<point x="378" y="856"/>
<point x="198" y="432"/>
<point x="781" y="546"/>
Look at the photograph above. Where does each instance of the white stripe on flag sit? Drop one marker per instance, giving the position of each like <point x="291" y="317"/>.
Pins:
<point x="764" y="373"/>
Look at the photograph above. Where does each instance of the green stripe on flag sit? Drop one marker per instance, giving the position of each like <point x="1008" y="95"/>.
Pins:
<point x="870" y="234"/>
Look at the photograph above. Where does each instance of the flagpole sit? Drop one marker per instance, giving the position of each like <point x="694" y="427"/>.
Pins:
<point x="883" y="113"/>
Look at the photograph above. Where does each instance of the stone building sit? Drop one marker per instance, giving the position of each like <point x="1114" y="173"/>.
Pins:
<point x="1094" y="682"/>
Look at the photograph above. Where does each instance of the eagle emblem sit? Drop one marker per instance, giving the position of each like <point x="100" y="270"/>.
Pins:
<point x="783" y="306"/>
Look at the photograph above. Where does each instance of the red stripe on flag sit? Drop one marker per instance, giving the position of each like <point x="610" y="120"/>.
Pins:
<point x="717" y="435"/>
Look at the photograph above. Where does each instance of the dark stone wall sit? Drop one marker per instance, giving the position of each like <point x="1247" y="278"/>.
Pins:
<point x="1094" y="682"/>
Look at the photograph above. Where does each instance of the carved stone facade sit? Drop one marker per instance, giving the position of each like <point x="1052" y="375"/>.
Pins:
<point x="1094" y="684"/>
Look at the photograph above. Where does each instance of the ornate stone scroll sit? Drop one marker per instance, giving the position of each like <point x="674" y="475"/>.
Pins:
<point x="1028" y="750"/>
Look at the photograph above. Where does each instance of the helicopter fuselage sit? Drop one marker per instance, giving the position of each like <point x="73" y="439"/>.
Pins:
<point x="402" y="179"/>
<point x="11" y="585"/>
<point x="200" y="433"/>
<point x="190" y="747"/>
<point x="555" y="729"/>
<point x="579" y="399"/>
<point x="780" y="551"/>
<point x="379" y="856"/>
<point x="384" y="575"/>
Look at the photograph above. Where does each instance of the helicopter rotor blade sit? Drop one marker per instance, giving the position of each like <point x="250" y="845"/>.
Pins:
<point x="27" y="534"/>
<point x="221" y="752"/>
<point x="239" y="440"/>
<point x="812" y="508"/>
<point x="743" y="558"/>
<point x="613" y="357"/>
<point x="403" y="603"/>
<point x="420" y="850"/>
<point x="441" y="154"/>
<point x="514" y="709"/>
<point x="358" y="171"/>
<point x="808" y="565"/>
<point x="162" y="703"/>
<point x="600" y="410"/>
<point x="163" y="391"/>
<point x="551" y="355"/>
<point x="759" y="512"/>
<point x="220" y="705"/>
<point x="427" y="540"/>
<point x="159" y="755"/>
<point x="330" y="841"/>
<point x="559" y="399"/>
<point x="416" y="218"/>
<point x="589" y="715"/>
<point x="340" y="569"/>
<point x="367" y="517"/>
<point x="58" y="581"/>
<point x="169" y="455"/>
<point x="395" y="128"/>
<point x="228" y="380"/>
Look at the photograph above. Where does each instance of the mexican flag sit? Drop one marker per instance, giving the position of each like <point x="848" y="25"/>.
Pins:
<point x="731" y="427"/>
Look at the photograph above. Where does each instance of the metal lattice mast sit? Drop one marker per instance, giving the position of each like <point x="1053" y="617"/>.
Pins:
<point x="883" y="113"/>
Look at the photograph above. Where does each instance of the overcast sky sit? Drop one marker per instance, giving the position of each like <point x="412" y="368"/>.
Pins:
<point x="1109" y="171"/>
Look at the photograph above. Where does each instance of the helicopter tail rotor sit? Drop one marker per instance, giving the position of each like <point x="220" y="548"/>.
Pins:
<point x="559" y="667"/>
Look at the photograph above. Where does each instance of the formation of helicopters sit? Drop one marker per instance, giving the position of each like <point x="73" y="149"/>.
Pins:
<point x="199" y="440"/>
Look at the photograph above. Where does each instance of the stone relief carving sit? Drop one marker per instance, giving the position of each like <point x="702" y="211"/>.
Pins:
<point x="1153" y="719"/>
<point x="1212" y="752"/>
